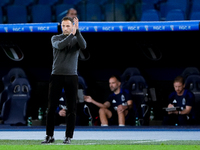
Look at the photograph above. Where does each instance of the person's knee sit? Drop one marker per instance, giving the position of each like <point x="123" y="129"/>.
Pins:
<point x="119" y="110"/>
<point x="102" y="111"/>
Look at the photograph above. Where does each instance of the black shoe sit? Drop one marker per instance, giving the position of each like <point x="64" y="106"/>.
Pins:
<point x="67" y="140"/>
<point x="48" y="139"/>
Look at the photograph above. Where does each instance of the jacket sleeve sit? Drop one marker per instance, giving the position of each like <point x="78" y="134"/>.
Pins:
<point x="61" y="44"/>
<point x="58" y="110"/>
<point x="81" y="41"/>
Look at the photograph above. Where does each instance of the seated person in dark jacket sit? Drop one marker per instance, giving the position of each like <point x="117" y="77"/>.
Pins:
<point x="182" y="98"/>
<point x="81" y="117"/>
<point x="61" y="110"/>
<point x="118" y="104"/>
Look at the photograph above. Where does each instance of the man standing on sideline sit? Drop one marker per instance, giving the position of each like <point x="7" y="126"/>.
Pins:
<point x="66" y="48"/>
<point x="117" y="105"/>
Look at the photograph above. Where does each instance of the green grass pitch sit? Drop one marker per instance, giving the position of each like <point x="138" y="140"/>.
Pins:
<point x="100" y="145"/>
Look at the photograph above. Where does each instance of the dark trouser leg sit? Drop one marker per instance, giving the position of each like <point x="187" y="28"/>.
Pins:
<point x="171" y="119"/>
<point x="175" y="119"/>
<point x="71" y="89"/>
<point x="182" y="119"/>
<point x="55" y="89"/>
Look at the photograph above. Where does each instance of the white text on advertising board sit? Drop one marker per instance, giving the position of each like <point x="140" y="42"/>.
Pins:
<point x="184" y="27"/>
<point x="108" y="28"/>
<point x="44" y="28"/>
<point x="133" y="28"/>
<point x="18" y="29"/>
<point x="158" y="27"/>
<point x="84" y="28"/>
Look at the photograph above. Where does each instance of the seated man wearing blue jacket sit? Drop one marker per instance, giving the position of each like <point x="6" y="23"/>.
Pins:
<point x="118" y="103"/>
<point x="182" y="98"/>
<point x="81" y="118"/>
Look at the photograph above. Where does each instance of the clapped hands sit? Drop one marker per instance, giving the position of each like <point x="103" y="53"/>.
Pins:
<point x="75" y="25"/>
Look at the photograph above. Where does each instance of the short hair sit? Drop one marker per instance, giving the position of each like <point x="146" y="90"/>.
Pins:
<point x="179" y="79"/>
<point x="67" y="18"/>
<point x="117" y="77"/>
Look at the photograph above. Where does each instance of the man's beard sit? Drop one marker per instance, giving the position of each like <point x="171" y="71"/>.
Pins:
<point x="180" y="92"/>
<point x="114" y="89"/>
<point x="66" y="33"/>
